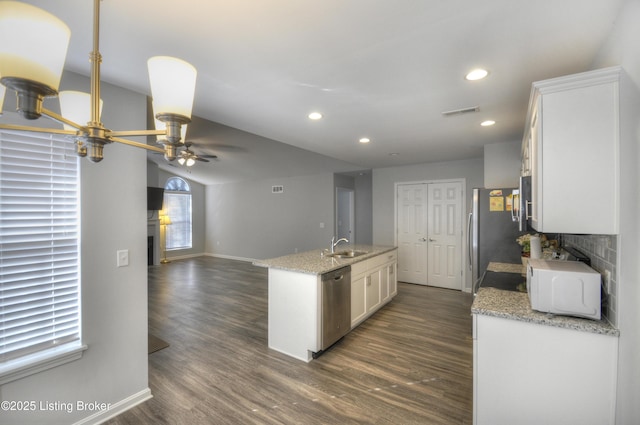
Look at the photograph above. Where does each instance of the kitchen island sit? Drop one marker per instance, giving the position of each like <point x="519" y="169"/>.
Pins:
<point x="533" y="368"/>
<point x="295" y="293"/>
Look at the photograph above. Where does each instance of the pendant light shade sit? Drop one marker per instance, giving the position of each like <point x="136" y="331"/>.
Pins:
<point x="33" y="47"/>
<point x="173" y="83"/>
<point x="76" y="106"/>
<point x="33" y="44"/>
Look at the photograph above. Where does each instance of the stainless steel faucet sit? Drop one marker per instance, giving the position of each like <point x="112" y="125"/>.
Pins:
<point x="333" y="244"/>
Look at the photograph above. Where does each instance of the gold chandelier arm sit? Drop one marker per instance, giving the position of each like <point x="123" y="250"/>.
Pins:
<point x="37" y="129"/>
<point x="137" y="144"/>
<point x="134" y="133"/>
<point x="59" y="118"/>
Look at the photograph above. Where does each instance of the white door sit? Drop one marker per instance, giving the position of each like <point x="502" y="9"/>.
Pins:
<point x="412" y="233"/>
<point x="445" y="235"/>
<point x="430" y="234"/>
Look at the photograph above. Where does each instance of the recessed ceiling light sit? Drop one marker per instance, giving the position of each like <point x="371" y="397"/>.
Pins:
<point x="487" y="123"/>
<point x="477" y="74"/>
<point x="364" y="140"/>
<point x="394" y="154"/>
<point x="315" y="116"/>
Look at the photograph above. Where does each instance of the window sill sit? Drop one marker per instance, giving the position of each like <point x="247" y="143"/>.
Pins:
<point x="39" y="362"/>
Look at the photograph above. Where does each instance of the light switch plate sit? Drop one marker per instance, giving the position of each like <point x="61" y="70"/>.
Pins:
<point x="123" y="257"/>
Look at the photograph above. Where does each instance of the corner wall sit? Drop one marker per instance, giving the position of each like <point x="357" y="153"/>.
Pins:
<point x="622" y="48"/>
<point x="114" y="300"/>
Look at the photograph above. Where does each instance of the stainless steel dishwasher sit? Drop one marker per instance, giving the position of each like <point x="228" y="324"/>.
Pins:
<point x="336" y="305"/>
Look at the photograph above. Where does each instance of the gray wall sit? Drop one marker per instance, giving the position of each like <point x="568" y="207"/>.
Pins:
<point x="384" y="192"/>
<point x="502" y="164"/>
<point x="364" y="208"/>
<point x="114" y="300"/>
<point x="246" y="221"/>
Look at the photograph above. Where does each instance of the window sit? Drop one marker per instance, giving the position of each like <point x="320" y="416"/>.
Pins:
<point x="177" y="205"/>
<point x="39" y="249"/>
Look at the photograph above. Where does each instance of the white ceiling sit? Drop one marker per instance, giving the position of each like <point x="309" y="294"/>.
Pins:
<point x="376" y="68"/>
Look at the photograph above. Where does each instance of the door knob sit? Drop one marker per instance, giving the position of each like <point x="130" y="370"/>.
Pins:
<point x="422" y="239"/>
<point x="432" y="240"/>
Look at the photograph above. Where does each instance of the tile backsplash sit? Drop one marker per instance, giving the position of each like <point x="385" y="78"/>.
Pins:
<point x="602" y="250"/>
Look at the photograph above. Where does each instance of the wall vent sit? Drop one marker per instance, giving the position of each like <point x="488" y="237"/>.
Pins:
<point x="277" y="189"/>
<point x="461" y="111"/>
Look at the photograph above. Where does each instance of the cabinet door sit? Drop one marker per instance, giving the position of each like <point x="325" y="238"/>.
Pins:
<point x="523" y="373"/>
<point x="579" y="157"/>
<point x="384" y="284"/>
<point x="358" y="299"/>
<point x="372" y="290"/>
<point x="393" y="279"/>
<point x="575" y="144"/>
<point x="525" y="169"/>
<point x="534" y="208"/>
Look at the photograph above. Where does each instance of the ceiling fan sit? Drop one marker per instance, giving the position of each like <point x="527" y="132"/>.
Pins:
<point x="188" y="157"/>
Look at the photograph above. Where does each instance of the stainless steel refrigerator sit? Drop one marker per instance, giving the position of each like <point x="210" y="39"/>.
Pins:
<point x="492" y="231"/>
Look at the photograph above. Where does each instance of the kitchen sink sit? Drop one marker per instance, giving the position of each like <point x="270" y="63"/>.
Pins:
<point x="346" y="254"/>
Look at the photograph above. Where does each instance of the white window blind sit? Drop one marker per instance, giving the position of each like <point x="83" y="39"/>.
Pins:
<point x="178" y="208"/>
<point x="39" y="243"/>
<point x="177" y="205"/>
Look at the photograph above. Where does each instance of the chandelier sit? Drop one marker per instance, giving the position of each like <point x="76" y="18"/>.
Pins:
<point x="33" y="47"/>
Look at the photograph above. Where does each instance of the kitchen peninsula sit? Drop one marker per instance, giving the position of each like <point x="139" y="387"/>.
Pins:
<point x="296" y="296"/>
<point x="537" y="368"/>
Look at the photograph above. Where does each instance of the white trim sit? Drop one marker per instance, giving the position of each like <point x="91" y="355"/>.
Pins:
<point x="40" y="361"/>
<point x="231" y="257"/>
<point x="209" y="254"/>
<point x="116" y="408"/>
<point x="185" y="256"/>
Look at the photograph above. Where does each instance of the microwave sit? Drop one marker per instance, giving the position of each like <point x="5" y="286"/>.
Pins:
<point x="569" y="288"/>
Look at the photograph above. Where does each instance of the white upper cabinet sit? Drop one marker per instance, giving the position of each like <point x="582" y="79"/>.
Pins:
<point x="571" y="151"/>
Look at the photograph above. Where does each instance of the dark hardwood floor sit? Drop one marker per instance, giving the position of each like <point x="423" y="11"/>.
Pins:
<point x="410" y="363"/>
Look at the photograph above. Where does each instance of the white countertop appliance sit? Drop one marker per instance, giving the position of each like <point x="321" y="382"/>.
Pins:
<point x="569" y="288"/>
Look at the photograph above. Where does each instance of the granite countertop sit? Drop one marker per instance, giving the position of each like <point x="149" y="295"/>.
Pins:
<point x="314" y="262"/>
<point x="516" y="306"/>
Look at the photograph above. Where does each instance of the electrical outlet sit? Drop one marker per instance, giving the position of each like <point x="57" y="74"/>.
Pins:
<point x="122" y="257"/>
<point x="607" y="281"/>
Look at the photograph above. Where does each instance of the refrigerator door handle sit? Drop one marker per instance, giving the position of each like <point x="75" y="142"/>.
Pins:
<point x="469" y="241"/>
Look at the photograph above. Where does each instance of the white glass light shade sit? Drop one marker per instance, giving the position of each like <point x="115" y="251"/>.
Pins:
<point x="33" y="43"/>
<point x="173" y="85"/>
<point x="181" y="161"/>
<point x="190" y="162"/>
<point x="76" y="106"/>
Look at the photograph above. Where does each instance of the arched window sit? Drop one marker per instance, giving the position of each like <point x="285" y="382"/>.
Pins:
<point x="177" y="205"/>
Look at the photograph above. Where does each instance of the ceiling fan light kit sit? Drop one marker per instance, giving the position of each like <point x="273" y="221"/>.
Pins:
<point x="33" y="47"/>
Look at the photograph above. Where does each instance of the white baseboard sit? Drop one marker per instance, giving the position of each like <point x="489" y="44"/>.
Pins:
<point x="116" y="409"/>
<point x="185" y="256"/>
<point x="231" y="257"/>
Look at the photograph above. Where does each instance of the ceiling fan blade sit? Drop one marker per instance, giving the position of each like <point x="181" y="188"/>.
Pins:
<point x="197" y="158"/>
<point x="209" y="156"/>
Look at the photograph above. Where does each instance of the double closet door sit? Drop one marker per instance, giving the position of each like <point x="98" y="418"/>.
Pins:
<point x="430" y="234"/>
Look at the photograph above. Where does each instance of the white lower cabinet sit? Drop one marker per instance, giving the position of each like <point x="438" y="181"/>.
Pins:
<point x="532" y="374"/>
<point x="358" y="299"/>
<point x="373" y="284"/>
<point x="372" y="290"/>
